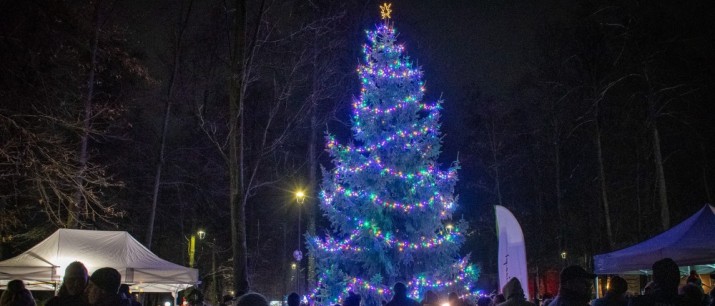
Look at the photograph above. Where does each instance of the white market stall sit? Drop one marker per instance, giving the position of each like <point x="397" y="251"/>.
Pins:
<point x="42" y="266"/>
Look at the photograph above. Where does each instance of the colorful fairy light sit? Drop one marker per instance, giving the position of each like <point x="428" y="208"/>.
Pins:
<point x="330" y="245"/>
<point x="389" y="203"/>
<point x="446" y="204"/>
<point x="418" y="285"/>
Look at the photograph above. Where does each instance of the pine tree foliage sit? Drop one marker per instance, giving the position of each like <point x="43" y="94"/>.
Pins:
<point x="389" y="204"/>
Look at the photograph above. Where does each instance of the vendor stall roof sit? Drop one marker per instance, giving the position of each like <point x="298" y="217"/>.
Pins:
<point x="42" y="266"/>
<point x="689" y="243"/>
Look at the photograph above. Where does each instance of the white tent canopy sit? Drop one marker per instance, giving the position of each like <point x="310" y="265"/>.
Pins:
<point x="42" y="266"/>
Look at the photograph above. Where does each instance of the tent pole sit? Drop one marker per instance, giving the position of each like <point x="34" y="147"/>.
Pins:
<point x="598" y="290"/>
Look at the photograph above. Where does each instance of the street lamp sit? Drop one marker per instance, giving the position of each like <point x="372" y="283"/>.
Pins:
<point x="300" y="196"/>
<point x="192" y="246"/>
<point x="298" y="254"/>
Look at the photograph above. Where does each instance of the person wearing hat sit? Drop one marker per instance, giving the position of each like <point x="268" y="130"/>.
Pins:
<point x="73" y="284"/>
<point x="664" y="290"/>
<point x="575" y="287"/>
<point x="103" y="287"/>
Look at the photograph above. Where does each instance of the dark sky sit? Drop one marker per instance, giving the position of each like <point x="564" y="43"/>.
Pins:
<point x="466" y="44"/>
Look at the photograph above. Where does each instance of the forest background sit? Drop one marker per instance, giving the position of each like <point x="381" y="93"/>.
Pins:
<point x="590" y="120"/>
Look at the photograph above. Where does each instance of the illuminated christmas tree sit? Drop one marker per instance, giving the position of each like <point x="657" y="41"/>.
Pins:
<point x="389" y="204"/>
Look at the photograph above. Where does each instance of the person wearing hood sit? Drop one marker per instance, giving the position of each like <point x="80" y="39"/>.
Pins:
<point x="514" y="294"/>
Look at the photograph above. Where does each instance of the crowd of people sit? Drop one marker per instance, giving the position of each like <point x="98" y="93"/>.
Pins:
<point x="576" y="289"/>
<point x="104" y="288"/>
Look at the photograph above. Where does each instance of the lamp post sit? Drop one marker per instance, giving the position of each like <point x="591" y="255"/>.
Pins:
<point x="192" y="246"/>
<point x="298" y="254"/>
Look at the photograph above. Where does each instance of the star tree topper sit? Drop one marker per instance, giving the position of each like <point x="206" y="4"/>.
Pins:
<point x="386" y="10"/>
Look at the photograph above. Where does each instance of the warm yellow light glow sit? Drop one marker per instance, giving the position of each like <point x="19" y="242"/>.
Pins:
<point x="445" y="304"/>
<point x="63" y="262"/>
<point x="300" y="196"/>
<point x="386" y="10"/>
<point x="201" y="234"/>
<point x="293" y="266"/>
<point x="450" y="227"/>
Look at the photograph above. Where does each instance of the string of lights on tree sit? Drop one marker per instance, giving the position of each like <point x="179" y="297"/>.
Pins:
<point x="417" y="284"/>
<point x="389" y="204"/>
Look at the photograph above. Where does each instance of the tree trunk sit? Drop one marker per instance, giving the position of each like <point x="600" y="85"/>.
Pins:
<point x="602" y="180"/>
<point x="167" y="114"/>
<point x="704" y="166"/>
<point x="662" y="191"/>
<point x="557" y="181"/>
<point x="313" y="199"/>
<point x="238" y="210"/>
<point x="313" y="163"/>
<point x="494" y="148"/>
<point x="75" y="208"/>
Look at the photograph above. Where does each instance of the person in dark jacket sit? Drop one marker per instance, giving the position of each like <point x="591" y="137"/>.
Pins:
<point x="664" y="289"/>
<point x="73" y="284"/>
<point x="400" y="298"/>
<point x="431" y="299"/>
<point x="103" y="287"/>
<point x="692" y="295"/>
<point x="574" y="288"/>
<point x="514" y="294"/>
<point x="293" y="299"/>
<point x="126" y="295"/>
<point x="616" y="294"/>
<point x="16" y="295"/>
<point x="352" y="299"/>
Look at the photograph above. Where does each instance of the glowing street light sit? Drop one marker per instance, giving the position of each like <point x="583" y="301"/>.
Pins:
<point x="192" y="246"/>
<point x="298" y="254"/>
<point x="300" y="196"/>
